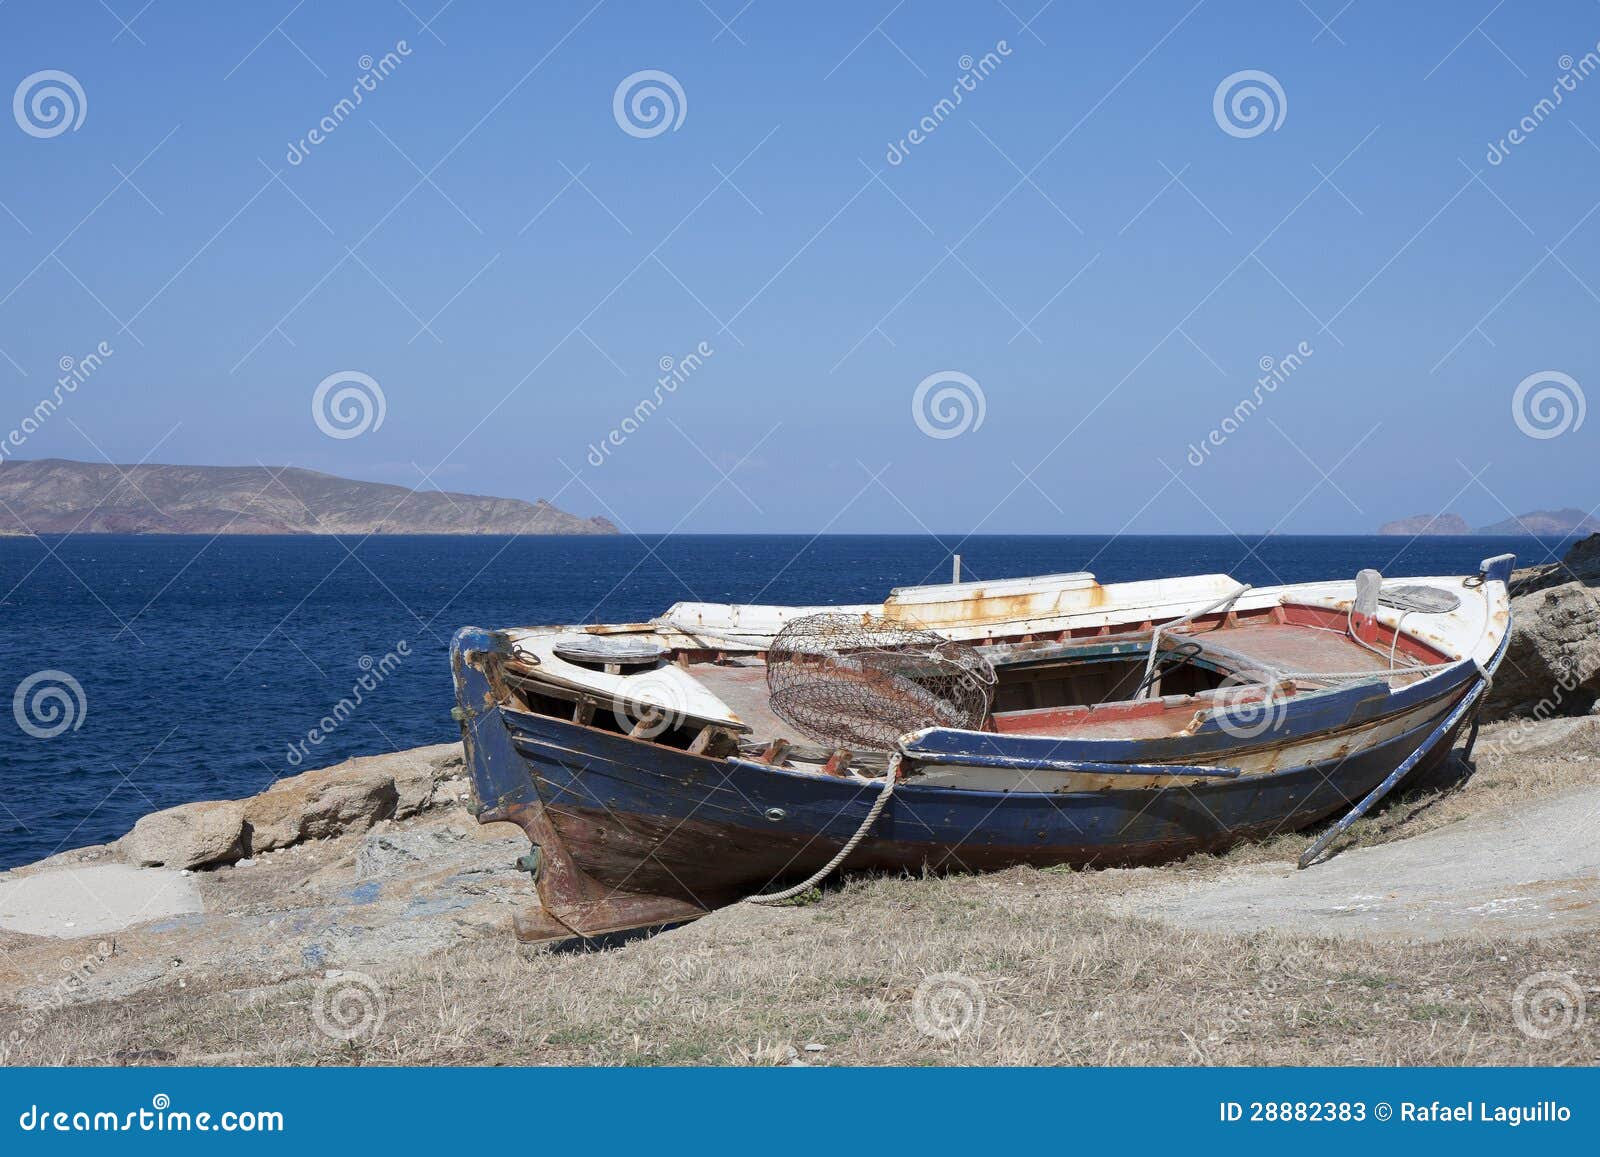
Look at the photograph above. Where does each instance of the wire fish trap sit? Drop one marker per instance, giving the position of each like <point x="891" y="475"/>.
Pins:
<point x="862" y="681"/>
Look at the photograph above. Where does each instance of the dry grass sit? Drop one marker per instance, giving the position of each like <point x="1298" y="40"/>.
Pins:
<point x="1063" y="979"/>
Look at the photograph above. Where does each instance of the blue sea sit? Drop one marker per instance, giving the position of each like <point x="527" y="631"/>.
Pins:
<point x="195" y="666"/>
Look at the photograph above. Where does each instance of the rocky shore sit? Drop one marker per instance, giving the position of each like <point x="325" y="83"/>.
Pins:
<point x="373" y="859"/>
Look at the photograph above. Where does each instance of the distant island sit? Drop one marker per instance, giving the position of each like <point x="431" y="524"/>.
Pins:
<point x="1541" y="522"/>
<point x="57" y="496"/>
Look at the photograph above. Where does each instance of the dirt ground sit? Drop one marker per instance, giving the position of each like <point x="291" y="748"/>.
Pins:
<point x="1457" y="927"/>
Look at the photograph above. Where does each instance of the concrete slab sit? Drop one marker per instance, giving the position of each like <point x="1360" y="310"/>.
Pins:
<point x="1528" y="871"/>
<point x="95" y="899"/>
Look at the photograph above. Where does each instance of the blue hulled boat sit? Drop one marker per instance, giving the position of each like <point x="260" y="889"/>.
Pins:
<point x="717" y="752"/>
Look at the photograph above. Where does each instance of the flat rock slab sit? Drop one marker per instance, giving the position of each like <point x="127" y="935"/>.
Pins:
<point x="1529" y="872"/>
<point x="95" y="899"/>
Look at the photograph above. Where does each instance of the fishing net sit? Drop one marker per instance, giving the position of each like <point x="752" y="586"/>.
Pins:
<point x="861" y="681"/>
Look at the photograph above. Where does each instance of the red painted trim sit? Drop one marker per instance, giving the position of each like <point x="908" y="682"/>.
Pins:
<point x="1036" y="719"/>
<point x="1371" y="631"/>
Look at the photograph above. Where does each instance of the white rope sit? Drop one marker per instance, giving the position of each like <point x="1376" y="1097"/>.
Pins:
<point x="823" y="872"/>
<point x="1352" y="676"/>
<point x="1155" y="635"/>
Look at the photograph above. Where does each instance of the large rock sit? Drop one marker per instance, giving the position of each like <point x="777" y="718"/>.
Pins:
<point x="319" y="804"/>
<point x="1581" y="564"/>
<point x="192" y="835"/>
<point x="1552" y="665"/>
<point x="350" y="796"/>
<point x="418" y="773"/>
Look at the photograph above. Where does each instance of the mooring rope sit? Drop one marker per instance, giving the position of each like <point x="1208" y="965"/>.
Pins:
<point x="1221" y="604"/>
<point x="826" y="870"/>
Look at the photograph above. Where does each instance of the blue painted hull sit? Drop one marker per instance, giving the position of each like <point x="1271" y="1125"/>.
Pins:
<point x="646" y="818"/>
<point x="631" y="832"/>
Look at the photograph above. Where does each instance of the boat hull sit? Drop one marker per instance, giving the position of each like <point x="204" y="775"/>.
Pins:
<point x="632" y="834"/>
<point x="637" y="817"/>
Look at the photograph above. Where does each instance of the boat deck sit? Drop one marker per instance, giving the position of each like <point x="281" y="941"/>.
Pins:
<point x="1293" y="647"/>
<point x="742" y="685"/>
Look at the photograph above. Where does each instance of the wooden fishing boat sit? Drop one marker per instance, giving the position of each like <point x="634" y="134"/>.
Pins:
<point x="663" y="769"/>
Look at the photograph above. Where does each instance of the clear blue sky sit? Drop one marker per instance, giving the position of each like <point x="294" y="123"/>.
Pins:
<point x="1080" y="237"/>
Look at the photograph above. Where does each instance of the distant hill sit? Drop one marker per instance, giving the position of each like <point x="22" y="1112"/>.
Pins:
<point x="1427" y="524"/>
<point x="56" y="496"/>
<point x="1543" y="522"/>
